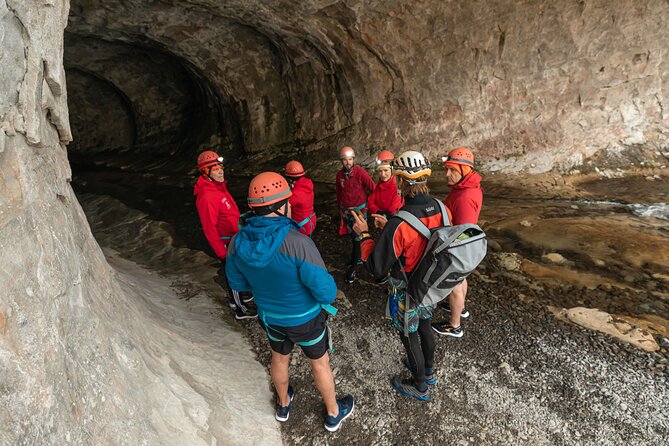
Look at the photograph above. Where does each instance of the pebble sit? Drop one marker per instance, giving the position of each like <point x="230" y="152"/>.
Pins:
<point x="505" y="368"/>
<point x="554" y="257"/>
<point x="525" y="223"/>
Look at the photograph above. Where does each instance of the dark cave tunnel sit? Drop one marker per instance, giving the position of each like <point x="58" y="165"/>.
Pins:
<point x="140" y="114"/>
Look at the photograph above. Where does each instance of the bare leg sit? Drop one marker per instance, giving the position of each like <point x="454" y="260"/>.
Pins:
<point x="322" y="372"/>
<point x="457" y="302"/>
<point x="279" y="372"/>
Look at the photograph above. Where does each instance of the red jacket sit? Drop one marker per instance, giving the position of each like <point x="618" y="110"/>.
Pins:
<point x="218" y="212"/>
<point x="302" y="204"/>
<point x="352" y="190"/>
<point x="465" y="200"/>
<point x="385" y="198"/>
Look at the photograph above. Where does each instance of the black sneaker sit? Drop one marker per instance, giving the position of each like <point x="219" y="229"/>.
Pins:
<point x="246" y="297"/>
<point x="283" y="412"/>
<point x="350" y="274"/>
<point x="445" y="328"/>
<point x="245" y="313"/>
<point x="381" y="280"/>
<point x="346" y="406"/>
<point x="464" y="314"/>
<point x="408" y="388"/>
<point x="430" y="376"/>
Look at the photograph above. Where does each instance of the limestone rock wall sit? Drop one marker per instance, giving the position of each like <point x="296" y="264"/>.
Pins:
<point x="87" y="354"/>
<point x="530" y="85"/>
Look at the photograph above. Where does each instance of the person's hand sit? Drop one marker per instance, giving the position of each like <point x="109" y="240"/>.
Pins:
<point x="360" y="224"/>
<point x="379" y="220"/>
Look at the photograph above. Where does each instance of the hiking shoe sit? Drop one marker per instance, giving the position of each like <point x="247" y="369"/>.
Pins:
<point x="464" y="314"/>
<point x="245" y="313"/>
<point x="408" y="388"/>
<point x="445" y="328"/>
<point x="283" y="412"/>
<point x="248" y="297"/>
<point x="381" y="280"/>
<point x="350" y="274"/>
<point x="346" y="406"/>
<point x="430" y="376"/>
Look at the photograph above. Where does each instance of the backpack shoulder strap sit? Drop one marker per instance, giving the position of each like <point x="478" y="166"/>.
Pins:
<point x="444" y="212"/>
<point x="414" y="222"/>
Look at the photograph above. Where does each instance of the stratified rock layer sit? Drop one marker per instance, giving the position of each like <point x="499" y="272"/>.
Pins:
<point x="530" y="85"/>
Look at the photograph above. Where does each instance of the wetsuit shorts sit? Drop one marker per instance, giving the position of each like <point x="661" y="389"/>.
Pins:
<point x="316" y="328"/>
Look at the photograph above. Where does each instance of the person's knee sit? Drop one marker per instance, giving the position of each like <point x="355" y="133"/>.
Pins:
<point x="278" y="358"/>
<point x="321" y="363"/>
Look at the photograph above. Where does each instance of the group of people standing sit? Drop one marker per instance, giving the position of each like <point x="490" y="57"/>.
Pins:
<point x="274" y="246"/>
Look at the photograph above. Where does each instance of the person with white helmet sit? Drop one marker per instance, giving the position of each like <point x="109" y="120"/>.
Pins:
<point x="385" y="199"/>
<point x="219" y="216"/>
<point x="353" y="185"/>
<point x="400" y="247"/>
<point x="293" y="292"/>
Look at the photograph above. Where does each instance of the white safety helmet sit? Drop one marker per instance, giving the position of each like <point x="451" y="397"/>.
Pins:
<point x="412" y="165"/>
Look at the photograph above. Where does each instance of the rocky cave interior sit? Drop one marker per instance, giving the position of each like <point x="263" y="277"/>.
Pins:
<point x="565" y="104"/>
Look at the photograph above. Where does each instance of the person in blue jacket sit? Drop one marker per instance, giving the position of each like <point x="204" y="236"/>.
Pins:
<point x="292" y="289"/>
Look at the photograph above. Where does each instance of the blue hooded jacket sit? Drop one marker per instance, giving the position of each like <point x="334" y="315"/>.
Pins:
<point x="282" y="268"/>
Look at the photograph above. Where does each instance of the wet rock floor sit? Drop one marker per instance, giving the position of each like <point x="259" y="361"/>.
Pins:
<point x="519" y="374"/>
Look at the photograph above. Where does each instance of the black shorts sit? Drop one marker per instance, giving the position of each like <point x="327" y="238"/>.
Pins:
<point x="313" y="329"/>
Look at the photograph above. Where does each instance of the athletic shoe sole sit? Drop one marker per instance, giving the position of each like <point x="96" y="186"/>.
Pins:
<point x="280" y="418"/>
<point x="245" y="316"/>
<point x="401" y="391"/>
<point x="335" y="428"/>
<point x="441" y="331"/>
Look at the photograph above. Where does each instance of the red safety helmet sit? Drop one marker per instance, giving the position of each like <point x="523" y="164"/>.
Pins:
<point x="384" y="158"/>
<point x="346" y="152"/>
<point x="209" y="158"/>
<point x="462" y="157"/>
<point x="268" y="188"/>
<point x="294" y="169"/>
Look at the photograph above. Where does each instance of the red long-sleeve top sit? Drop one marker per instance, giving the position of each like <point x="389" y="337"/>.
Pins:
<point x="302" y="204"/>
<point x="465" y="200"/>
<point x="218" y="212"/>
<point x="352" y="189"/>
<point x="385" y="198"/>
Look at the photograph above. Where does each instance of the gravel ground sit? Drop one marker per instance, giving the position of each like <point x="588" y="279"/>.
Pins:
<point x="517" y="376"/>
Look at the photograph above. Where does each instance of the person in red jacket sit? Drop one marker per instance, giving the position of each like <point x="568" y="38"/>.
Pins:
<point x="302" y="200"/>
<point x="464" y="201"/>
<point x="219" y="216"/>
<point x="385" y="199"/>
<point x="353" y="184"/>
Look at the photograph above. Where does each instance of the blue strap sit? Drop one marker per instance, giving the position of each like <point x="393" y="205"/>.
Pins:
<point x="327" y="307"/>
<point x="226" y="237"/>
<point x="263" y="314"/>
<point x="357" y="208"/>
<point x="306" y="220"/>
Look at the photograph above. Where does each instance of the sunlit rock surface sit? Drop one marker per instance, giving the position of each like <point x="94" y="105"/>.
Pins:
<point x="91" y="354"/>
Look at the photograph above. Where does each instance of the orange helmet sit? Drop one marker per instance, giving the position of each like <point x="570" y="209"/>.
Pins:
<point x="346" y="152"/>
<point x="384" y="158"/>
<point x="268" y="188"/>
<point x="208" y="158"/>
<point x="460" y="156"/>
<point x="294" y="169"/>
